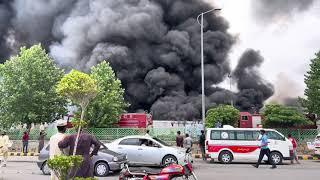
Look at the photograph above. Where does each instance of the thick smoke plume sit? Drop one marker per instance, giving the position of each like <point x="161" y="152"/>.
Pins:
<point x="253" y="89"/>
<point x="268" y="11"/>
<point x="153" y="46"/>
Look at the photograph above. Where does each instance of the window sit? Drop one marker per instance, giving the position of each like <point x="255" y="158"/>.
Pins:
<point x="240" y="135"/>
<point x="222" y="135"/>
<point x="245" y="118"/>
<point x="130" y="141"/>
<point x="274" y="135"/>
<point x="215" y="135"/>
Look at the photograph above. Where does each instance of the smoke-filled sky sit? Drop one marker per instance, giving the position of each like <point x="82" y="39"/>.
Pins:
<point x="154" y="48"/>
<point x="286" y="32"/>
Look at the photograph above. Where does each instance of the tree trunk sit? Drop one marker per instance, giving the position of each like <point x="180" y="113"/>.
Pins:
<point x="83" y="108"/>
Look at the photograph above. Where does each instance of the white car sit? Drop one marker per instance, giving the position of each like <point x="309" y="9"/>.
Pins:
<point x="145" y="150"/>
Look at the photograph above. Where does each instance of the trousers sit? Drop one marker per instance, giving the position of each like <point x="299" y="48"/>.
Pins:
<point x="264" y="152"/>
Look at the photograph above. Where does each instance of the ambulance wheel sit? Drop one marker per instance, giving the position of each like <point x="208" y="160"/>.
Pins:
<point x="225" y="157"/>
<point x="276" y="157"/>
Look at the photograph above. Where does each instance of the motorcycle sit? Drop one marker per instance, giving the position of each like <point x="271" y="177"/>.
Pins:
<point x="170" y="172"/>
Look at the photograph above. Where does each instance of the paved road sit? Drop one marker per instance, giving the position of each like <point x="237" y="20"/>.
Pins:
<point x="204" y="171"/>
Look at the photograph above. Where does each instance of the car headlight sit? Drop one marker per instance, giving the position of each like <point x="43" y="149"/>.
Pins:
<point x="115" y="159"/>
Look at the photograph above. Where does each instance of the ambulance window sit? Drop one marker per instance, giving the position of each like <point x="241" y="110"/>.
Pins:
<point x="249" y="135"/>
<point x="240" y="135"/>
<point x="215" y="135"/>
<point x="274" y="135"/>
<point x="232" y="135"/>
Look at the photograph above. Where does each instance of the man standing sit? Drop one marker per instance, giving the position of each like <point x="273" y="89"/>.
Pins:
<point x="83" y="148"/>
<point x="202" y="145"/>
<point x="4" y="147"/>
<point x="264" y="150"/>
<point x="179" y="139"/>
<point x="294" y="153"/>
<point x="54" y="140"/>
<point x="25" y="142"/>
<point x="188" y="142"/>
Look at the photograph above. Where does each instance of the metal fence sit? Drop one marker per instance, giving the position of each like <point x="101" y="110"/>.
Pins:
<point x="166" y="134"/>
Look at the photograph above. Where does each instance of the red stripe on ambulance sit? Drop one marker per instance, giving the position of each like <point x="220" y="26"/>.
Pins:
<point x="233" y="148"/>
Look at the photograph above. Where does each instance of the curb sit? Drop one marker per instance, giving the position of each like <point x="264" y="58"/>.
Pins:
<point x="308" y="157"/>
<point x="21" y="154"/>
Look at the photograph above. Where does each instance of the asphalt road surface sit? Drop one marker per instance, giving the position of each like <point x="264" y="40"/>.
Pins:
<point x="205" y="171"/>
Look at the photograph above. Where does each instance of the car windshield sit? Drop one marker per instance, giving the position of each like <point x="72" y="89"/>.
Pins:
<point x="160" y="141"/>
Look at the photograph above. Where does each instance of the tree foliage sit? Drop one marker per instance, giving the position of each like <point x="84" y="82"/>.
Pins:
<point x="79" y="87"/>
<point x="312" y="91"/>
<point x="27" y="88"/>
<point x="105" y="109"/>
<point x="225" y="114"/>
<point x="280" y="116"/>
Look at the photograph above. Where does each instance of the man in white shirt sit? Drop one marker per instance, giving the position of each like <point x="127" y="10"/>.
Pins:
<point x="4" y="147"/>
<point x="54" y="140"/>
<point x="42" y="127"/>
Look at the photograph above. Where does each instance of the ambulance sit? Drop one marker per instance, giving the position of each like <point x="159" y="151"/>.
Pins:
<point x="229" y="144"/>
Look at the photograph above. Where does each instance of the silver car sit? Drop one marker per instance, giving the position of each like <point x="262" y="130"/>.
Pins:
<point x="145" y="150"/>
<point x="105" y="162"/>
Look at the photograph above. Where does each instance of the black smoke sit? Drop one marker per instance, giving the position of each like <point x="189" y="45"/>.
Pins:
<point x="268" y="11"/>
<point x="254" y="90"/>
<point x="153" y="46"/>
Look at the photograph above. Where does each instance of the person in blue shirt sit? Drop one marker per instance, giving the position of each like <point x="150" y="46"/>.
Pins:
<point x="264" y="150"/>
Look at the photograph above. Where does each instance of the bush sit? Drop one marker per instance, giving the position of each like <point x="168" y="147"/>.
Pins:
<point x="62" y="165"/>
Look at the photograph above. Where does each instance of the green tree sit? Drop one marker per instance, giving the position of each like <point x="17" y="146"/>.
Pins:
<point x="105" y="109"/>
<point x="80" y="88"/>
<point x="280" y="116"/>
<point x="225" y="114"/>
<point x="27" y="88"/>
<point x="312" y="91"/>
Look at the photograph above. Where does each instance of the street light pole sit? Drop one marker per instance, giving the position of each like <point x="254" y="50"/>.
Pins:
<point x="230" y="79"/>
<point x="202" y="66"/>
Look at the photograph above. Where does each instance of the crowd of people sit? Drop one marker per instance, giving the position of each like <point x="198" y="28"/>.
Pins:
<point x="187" y="142"/>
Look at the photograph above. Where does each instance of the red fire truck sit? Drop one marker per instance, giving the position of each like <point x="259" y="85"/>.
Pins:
<point x="248" y="120"/>
<point x="135" y="120"/>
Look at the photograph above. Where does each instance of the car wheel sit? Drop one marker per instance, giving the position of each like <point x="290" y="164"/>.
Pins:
<point x="169" y="159"/>
<point x="45" y="168"/>
<point x="101" y="169"/>
<point x="225" y="157"/>
<point x="276" y="158"/>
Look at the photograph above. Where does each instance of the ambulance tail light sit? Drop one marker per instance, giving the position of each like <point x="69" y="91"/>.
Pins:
<point x="207" y="144"/>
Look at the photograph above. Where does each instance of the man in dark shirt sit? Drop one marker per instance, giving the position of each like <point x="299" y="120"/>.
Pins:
<point x="84" y="144"/>
<point x="202" y="144"/>
<point x="179" y="139"/>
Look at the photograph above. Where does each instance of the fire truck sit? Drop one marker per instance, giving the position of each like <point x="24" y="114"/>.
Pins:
<point x="248" y="120"/>
<point x="135" y="120"/>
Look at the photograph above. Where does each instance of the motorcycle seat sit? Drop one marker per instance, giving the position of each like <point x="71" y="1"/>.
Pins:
<point x="146" y="170"/>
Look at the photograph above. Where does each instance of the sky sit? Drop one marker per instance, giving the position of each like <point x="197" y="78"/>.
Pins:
<point x="286" y="44"/>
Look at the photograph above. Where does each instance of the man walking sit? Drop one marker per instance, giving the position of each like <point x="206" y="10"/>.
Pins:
<point x="179" y="139"/>
<point x="264" y="150"/>
<point x="83" y="148"/>
<point x="202" y="145"/>
<point x="4" y="147"/>
<point x="54" y="140"/>
<point x="294" y="153"/>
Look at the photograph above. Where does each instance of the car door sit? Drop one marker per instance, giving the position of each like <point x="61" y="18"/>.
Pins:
<point x="150" y="152"/>
<point x="130" y="147"/>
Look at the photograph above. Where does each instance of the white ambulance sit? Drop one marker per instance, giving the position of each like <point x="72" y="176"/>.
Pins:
<point x="228" y="144"/>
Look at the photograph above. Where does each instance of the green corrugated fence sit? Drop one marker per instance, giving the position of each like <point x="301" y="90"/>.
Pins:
<point x="166" y="134"/>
